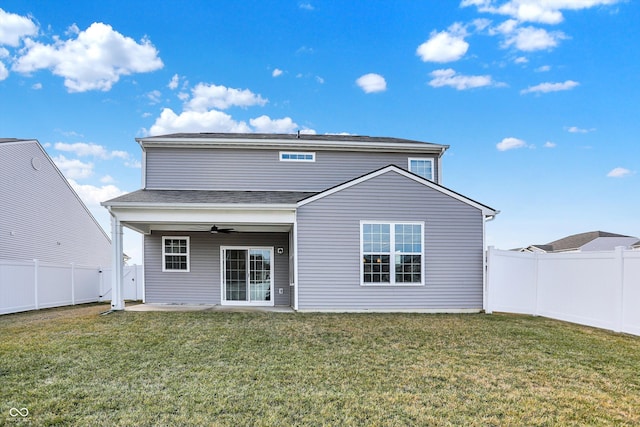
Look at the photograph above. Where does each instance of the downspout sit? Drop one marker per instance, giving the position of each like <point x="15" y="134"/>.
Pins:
<point x="442" y="150"/>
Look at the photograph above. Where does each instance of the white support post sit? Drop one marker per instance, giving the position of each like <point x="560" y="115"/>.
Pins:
<point x="117" y="299"/>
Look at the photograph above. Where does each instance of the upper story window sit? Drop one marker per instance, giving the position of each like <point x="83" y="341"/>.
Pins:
<point x="297" y="156"/>
<point x="175" y="253"/>
<point x="422" y="167"/>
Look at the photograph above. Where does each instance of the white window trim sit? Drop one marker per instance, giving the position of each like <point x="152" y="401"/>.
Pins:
<point x="164" y="264"/>
<point x="422" y="159"/>
<point x="392" y="271"/>
<point x="313" y="156"/>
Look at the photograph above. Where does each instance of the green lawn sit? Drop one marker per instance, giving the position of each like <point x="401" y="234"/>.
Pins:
<point x="71" y="366"/>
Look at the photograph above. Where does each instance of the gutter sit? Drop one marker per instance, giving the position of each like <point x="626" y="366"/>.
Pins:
<point x="418" y="147"/>
<point x="489" y="218"/>
<point x="187" y="206"/>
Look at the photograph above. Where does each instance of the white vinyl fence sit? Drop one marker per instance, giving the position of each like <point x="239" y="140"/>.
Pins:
<point x="600" y="289"/>
<point x="32" y="285"/>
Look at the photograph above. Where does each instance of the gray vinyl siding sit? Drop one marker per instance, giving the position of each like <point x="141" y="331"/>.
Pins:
<point x="226" y="169"/>
<point x="41" y="217"/>
<point x="201" y="285"/>
<point x="329" y="248"/>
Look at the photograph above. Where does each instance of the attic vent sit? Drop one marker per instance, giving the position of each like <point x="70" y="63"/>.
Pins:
<point x="35" y="163"/>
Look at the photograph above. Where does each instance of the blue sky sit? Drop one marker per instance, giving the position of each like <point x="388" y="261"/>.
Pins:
<point x="538" y="99"/>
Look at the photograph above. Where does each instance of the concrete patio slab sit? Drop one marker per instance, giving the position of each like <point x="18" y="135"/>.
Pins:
<point x="206" y="307"/>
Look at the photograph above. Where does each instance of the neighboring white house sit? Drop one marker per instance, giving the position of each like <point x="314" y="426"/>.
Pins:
<point x="43" y="220"/>
<point x="591" y="241"/>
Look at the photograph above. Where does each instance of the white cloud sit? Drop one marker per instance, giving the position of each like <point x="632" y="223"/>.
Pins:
<point x="510" y="144"/>
<point x="207" y="96"/>
<point x="541" y="11"/>
<point x="264" y="124"/>
<point x="133" y="163"/>
<point x="14" y="27"/>
<point x="527" y="39"/>
<point x="448" y="77"/>
<point x="306" y="6"/>
<point x="445" y="46"/>
<point x="82" y="149"/>
<point x="120" y="154"/>
<point x="521" y="60"/>
<point x="94" y="60"/>
<point x="550" y="144"/>
<point x="217" y="121"/>
<point x="276" y="72"/>
<point x="73" y="168"/>
<point x="576" y="129"/>
<point x="619" y="173"/>
<point x="202" y="113"/>
<point x="481" y="23"/>
<point x="372" y="83"/>
<point x="36" y="86"/>
<point x="550" y="87"/>
<point x="196" y="121"/>
<point x="304" y="50"/>
<point x="4" y="73"/>
<point x="154" y="96"/>
<point x="107" y="179"/>
<point x="543" y="69"/>
<point x="92" y="196"/>
<point x="173" y="84"/>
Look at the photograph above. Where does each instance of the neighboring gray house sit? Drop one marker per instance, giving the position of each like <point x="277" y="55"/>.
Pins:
<point x="315" y="222"/>
<point x="585" y="242"/>
<point x="41" y="216"/>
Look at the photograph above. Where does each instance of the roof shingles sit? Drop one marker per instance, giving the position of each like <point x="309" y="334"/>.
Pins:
<point x="169" y="197"/>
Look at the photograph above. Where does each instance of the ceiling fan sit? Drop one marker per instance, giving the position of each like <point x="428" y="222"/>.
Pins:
<point x="215" y="230"/>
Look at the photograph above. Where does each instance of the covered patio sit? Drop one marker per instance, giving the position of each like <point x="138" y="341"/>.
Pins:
<point x="228" y="248"/>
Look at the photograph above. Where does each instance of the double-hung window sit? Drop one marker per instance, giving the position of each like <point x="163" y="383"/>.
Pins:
<point x="175" y="253"/>
<point x="422" y="167"/>
<point x="392" y="253"/>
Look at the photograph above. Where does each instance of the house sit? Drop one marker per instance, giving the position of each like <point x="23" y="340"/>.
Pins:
<point x="314" y="222"/>
<point x="41" y="216"/>
<point x="585" y="242"/>
<point x="52" y="250"/>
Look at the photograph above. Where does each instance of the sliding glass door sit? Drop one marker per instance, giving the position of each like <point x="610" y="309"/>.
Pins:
<point x="247" y="276"/>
